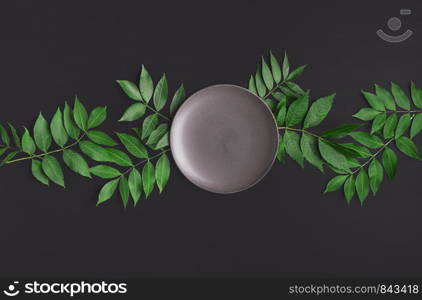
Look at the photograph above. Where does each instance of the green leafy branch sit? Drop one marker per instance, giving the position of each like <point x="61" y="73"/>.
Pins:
<point x="152" y="133"/>
<point x="387" y="128"/>
<point x="355" y="160"/>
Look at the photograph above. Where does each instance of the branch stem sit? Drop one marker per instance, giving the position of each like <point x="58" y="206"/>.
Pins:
<point x="373" y="156"/>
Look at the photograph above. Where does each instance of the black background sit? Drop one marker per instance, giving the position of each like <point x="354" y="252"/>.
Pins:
<point x="284" y="226"/>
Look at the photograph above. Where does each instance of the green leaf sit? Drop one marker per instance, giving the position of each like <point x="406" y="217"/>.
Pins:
<point x="97" y="117"/>
<point x="390" y="126"/>
<point x="318" y="111"/>
<point x="266" y="75"/>
<point x="286" y="67"/>
<point x="281" y="150"/>
<point x="157" y="134"/>
<point x="309" y="147"/>
<point x="133" y="112"/>
<point x="362" y="151"/>
<point x="370" y="141"/>
<point x="296" y="72"/>
<point x="135" y="185"/>
<point x="57" y="129"/>
<point x="251" y="86"/>
<point x="400" y="96"/>
<point x="130" y="89"/>
<point x="149" y="125"/>
<point x="336" y="170"/>
<point x="275" y="68"/>
<point x="389" y="160"/>
<point x="4" y="135"/>
<point x="101" y="138"/>
<point x="349" y="188"/>
<point x="281" y="115"/>
<point x="118" y="157"/>
<point x="161" y="93"/>
<point x="297" y="110"/>
<point x="362" y="185"/>
<point x="366" y="114"/>
<point x="124" y="190"/>
<point x="162" y="171"/>
<point x="69" y="123"/>
<point x="416" y="95"/>
<point x="341" y="131"/>
<point x="52" y="169"/>
<point x="295" y="88"/>
<point x="378" y="123"/>
<point x="405" y="145"/>
<point x="107" y="191"/>
<point x="76" y="162"/>
<point x="335" y="183"/>
<point x="163" y="142"/>
<point x="386" y="96"/>
<point x="353" y="162"/>
<point x="80" y="114"/>
<point x="260" y="86"/>
<point x="16" y="138"/>
<point x="292" y="144"/>
<point x="38" y="173"/>
<point x="375" y="102"/>
<point x="148" y="176"/>
<point x="404" y="123"/>
<point x="2" y="151"/>
<point x="178" y="98"/>
<point x="271" y="104"/>
<point x="133" y="145"/>
<point x="42" y="133"/>
<point x="376" y="173"/>
<point x="28" y="144"/>
<point x="416" y="125"/>
<point x="146" y="85"/>
<point x="94" y="151"/>
<point x="105" y="172"/>
<point x="332" y="156"/>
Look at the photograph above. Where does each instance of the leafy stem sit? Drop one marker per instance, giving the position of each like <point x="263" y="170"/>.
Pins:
<point x="300" y="130"/>
<point x="404" y="111"/>
<point x="47" y="153"/>
<point x="373" y="156"/>
<point x="156" y="112"/>
<point x="278" y="85"/>
<point x="8" y="147"/>
<point x="144" y="161"/>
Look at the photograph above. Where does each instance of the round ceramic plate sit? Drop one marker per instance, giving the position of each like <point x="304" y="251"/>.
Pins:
<point x="224" y="139"/>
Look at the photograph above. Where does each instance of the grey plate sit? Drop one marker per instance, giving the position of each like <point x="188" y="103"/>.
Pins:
<point x="224" y="139"/>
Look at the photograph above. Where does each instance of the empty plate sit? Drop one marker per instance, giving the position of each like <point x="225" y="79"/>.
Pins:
<point x="224" y="139"/>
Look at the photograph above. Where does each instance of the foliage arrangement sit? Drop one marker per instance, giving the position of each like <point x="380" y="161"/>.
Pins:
<point x="358" y="154"/>
<point x="77" y="140"/>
